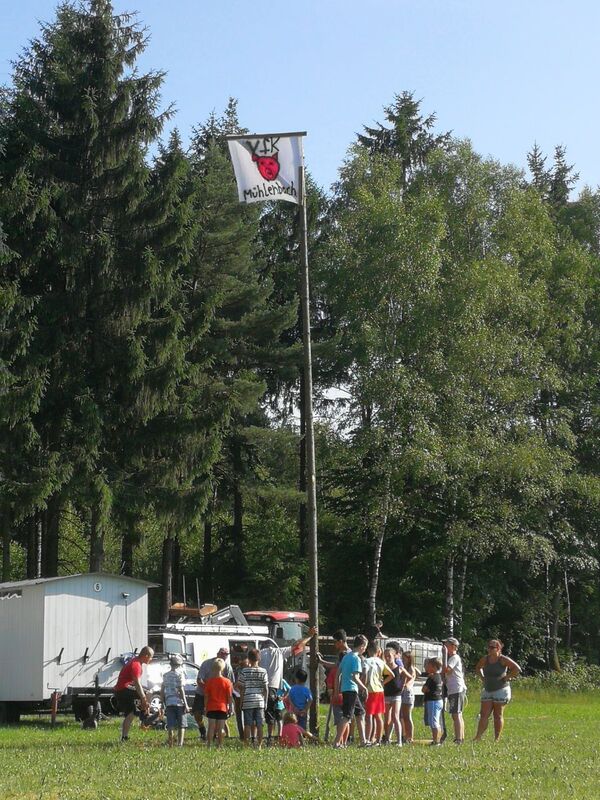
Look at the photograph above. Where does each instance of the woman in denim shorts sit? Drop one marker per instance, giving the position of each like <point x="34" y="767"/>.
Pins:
<point x="496" y="671"/>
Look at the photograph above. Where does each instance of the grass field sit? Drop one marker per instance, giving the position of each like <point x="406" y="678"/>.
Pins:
<point x="551" y="748"/>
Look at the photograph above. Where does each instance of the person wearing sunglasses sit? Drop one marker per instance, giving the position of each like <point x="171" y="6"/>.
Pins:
<point x="496" y="671"/>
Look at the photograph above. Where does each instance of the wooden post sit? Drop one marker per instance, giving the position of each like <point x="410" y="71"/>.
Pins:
<point x="311" y="480"/>
<point x="54" y="698"/>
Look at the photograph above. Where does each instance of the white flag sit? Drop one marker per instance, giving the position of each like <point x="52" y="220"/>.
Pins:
<point x="266" y="166"/>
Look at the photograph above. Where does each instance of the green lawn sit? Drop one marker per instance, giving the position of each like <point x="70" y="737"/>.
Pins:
<point x="551" y="748"/>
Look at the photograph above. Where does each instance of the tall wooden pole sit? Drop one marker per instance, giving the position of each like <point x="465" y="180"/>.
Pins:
<point x="311" y="481"/>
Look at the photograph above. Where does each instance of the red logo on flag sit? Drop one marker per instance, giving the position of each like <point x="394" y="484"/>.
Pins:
<point x="268" y="166"/>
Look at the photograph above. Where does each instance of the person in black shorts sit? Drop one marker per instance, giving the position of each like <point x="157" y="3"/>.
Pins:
<point x="129" y="692"/>
<point x="351" y="685"/>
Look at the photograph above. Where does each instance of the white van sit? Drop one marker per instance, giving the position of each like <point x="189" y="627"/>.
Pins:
<point x="198" y="642"/>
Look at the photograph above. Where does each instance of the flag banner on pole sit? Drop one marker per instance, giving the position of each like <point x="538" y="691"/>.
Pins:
<point x="266" y="166"/>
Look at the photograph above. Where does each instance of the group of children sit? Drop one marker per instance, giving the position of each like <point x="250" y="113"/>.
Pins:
<point x="370" y="696"/>
<point x="374" y="696"/>
<point x="250" y="689"/>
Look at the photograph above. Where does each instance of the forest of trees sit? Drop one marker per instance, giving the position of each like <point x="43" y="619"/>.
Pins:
<point x="151" y="415"/>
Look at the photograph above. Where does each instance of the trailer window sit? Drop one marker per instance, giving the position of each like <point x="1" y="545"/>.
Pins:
<point x="173" y="646"/>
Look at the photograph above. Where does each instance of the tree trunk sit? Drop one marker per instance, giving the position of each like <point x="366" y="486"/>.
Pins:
<point x="548" y="625"/>
<point x="167" y="579"/>
<point x="377" y="550"/>
<point x="450" y="595"/>
<point x="39" y="543"/>
<point x="302" y="519"/>
<point x="96" y="541"/>
<point x="554" y="659"/>
<point x="127" y="553"/>
<point x="207" y="549"/>
<point x="6" y="538"/>
<point x="237" y="529"/>
<point x="569" y="619"/>
<point x="31" y="528"/>
<point x="176" y="567"/>
<point x="51" y="536"/>
<point x="462" y="583"/>
<point x="207" y="562"/>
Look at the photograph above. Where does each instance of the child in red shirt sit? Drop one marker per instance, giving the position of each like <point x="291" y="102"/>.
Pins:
<point x="218" y="693"/>
<point x="292" y="735"/>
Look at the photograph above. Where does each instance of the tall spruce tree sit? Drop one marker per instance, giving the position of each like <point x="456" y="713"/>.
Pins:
<point x="409" y="137"/>
<point x="95" y="244"/>
<point x="22" y="481"/>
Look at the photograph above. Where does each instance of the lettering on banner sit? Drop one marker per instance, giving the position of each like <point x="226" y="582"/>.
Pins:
<point x="265" y="191"/>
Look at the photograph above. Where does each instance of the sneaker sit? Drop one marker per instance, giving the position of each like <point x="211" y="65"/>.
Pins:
<point x="435" y="744"/>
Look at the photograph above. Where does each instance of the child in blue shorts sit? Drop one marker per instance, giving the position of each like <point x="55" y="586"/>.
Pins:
<point x="434" y="703"/>
<point x="175" y="701"/>
<point x="300" y="697"/>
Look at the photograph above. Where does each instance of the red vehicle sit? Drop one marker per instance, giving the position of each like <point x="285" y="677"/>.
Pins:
<point x="285" y="627"/>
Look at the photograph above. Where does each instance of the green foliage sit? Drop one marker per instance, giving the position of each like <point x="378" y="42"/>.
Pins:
<point x="575" y="676"/>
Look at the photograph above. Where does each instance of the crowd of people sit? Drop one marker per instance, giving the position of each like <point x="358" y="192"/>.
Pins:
<point x="371" y="693"/>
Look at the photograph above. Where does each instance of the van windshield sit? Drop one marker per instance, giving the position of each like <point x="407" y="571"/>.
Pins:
<point x="287" y="633"/>
<point x="173" y="646"/>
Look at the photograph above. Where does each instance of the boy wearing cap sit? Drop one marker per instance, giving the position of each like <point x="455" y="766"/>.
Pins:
<point x="456" y="687"/>
<point x="175" y="701"/>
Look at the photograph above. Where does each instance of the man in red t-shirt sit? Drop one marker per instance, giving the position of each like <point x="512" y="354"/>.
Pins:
<point x="129" y="689"/>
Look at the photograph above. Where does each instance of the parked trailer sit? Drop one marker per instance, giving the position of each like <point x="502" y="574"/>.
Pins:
<point x="65" y="636"/>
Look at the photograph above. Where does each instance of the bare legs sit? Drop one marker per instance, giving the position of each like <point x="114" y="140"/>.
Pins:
<point x="342" y="730"/>
<point x="488" y="707"/>
<point x="498" y="720"/>
<point x="459" y="727"/>
<point x="216" y="730"/>
<point x="127" y="725"/>
<point x="253" y="730"/>
<point x="408" y="727"/>
<point x="392" y="721"/>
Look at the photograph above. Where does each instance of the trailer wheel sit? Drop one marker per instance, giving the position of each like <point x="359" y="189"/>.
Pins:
<point x="10" y="714"/>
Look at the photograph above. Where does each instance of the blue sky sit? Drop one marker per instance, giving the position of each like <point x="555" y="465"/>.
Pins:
<point x="500" y="72"/>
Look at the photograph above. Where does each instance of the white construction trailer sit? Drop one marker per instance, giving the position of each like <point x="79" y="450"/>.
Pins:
<point x="67" y="635"/>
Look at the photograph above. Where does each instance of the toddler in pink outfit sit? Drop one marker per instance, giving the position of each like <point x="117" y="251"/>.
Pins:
<point x="292" y="735"/>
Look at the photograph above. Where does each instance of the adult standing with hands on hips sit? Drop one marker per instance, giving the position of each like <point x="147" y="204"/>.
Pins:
<point x="496" y="671"/>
